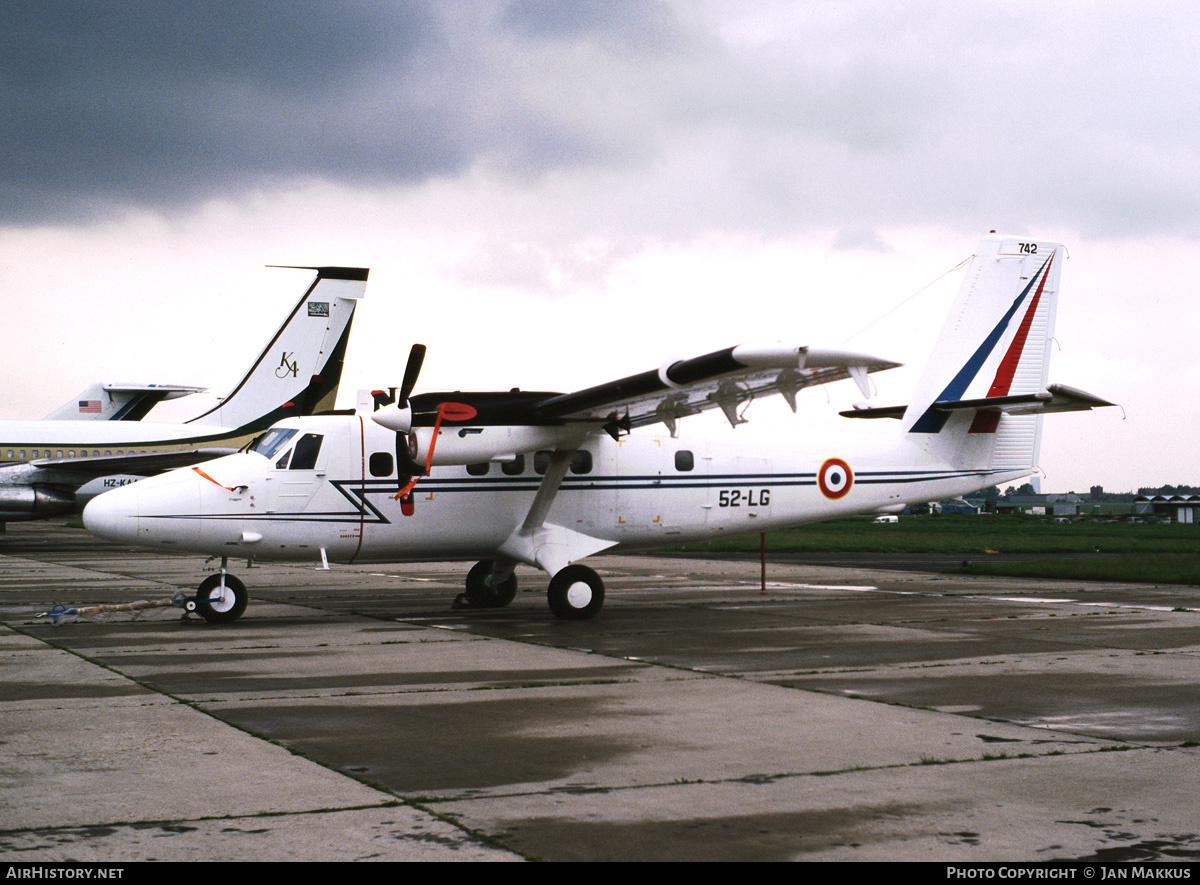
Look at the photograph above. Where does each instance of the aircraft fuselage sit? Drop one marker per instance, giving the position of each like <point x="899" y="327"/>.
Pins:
<point x="640" y="492"/>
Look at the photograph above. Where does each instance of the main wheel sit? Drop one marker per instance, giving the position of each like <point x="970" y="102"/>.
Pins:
<point x="483" y="592"/>
<point x="219" y="607"/>
<point x="576" y="593"/>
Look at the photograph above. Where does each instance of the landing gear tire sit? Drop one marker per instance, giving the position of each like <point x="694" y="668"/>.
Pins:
<point x="483" y="593"/>
<point x="576" y="593"/>
<point x="219" y="607"/>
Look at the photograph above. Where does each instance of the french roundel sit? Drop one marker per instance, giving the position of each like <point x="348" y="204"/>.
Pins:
<point x="835" y="478"/>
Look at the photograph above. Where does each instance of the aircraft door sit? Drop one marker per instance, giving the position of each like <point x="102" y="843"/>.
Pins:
<point x="661" y="489"/>
<point x="296" y="474"/>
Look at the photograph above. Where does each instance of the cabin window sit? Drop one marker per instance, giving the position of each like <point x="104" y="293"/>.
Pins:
<point x="10" y="453"/>
<point x="684" y="460"/>
<point x="581" y="461"/>
<point x="59" y="455"/>
<point x="478" y="469"/>
<point x="304" y="456"/>
<point x="515" y="467"/>
<point x="71" y="453"/>
<point x="380" y="464"/>
<point x="22" y="453"/>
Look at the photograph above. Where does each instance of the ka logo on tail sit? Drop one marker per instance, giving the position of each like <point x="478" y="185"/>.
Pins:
<point x="285" y="367"/>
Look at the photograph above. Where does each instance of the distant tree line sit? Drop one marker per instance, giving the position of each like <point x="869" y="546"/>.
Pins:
<point x="1170" y="490"/>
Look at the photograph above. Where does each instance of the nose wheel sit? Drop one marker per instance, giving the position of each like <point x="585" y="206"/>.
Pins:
<point x="221" y="599"/>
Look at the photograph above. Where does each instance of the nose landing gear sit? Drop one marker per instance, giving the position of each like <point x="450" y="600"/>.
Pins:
<point x="220" y="599"/>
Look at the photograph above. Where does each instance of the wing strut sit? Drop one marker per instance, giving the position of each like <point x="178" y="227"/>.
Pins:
<point x="545" y="545"/>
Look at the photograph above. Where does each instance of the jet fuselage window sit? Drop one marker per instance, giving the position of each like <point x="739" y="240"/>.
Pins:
<point x="304" y="456"/>
<point x="380" y="464"/>
<point x="478" y="469"/>
<point x="684" y="460"/>
<point x="581" y="462"/>
<point x="515" y="467"/>
<point x="541" y="462"/>
<point x="272" y="441"/>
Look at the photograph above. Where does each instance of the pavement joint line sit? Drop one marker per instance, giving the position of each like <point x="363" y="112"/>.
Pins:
<point x="150" y="822"/>
<point x="764" y="778"/>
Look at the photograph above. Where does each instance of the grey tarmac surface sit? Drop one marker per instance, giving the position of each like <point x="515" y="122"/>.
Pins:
<point x="845" y="714"/>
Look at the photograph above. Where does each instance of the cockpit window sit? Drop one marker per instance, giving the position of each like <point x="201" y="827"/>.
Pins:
<point x="272" y="441"/>
<point x="304" y="456"/>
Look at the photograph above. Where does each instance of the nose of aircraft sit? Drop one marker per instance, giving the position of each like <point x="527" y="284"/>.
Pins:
<point x="113" y="516"/>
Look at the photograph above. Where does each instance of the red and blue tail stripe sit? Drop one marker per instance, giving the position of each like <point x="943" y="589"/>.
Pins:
<point x="934" y="419"/>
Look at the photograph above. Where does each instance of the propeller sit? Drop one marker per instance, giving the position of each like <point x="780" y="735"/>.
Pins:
<point x="398" y="415"/>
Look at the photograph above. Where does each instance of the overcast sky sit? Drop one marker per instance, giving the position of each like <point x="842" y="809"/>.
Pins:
<point x="554" y="194"/>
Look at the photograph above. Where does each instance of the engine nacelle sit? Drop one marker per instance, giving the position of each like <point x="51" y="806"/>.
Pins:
<point x="33" y="502"/>
<point x="473" y="445"/>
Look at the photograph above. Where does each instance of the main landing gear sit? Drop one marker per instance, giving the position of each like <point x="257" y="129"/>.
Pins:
<point x="489" y="585"/>
<point x="576" y="592"/>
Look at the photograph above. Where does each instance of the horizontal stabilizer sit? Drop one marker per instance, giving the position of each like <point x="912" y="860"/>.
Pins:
<point x="119" y="402"/>
<point x="1056" y="398"/>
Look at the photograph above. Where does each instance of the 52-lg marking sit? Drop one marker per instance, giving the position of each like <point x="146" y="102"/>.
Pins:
<point x="744" y="498"/>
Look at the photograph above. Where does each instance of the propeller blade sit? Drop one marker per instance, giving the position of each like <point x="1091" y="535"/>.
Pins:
<point x="416" y="357"/>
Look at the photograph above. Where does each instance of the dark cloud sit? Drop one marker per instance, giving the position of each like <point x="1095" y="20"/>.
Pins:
<point x="620" y="24"/>
<point x="162" y="105"/>
<point x="722" y="115"/>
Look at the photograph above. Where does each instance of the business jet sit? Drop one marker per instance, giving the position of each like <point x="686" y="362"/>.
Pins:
<point x="547" y="479"/>
<point x="55" y="465"/>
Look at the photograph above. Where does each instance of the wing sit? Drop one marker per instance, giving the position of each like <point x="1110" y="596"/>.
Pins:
<point x="726" y="379"/>
<point x="78" y="471"/>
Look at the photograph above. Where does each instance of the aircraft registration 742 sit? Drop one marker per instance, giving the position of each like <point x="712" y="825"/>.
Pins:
<point x="547" y="479"/>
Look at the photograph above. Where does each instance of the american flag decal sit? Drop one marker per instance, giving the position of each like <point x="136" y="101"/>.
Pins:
<point x="89" y="407"/>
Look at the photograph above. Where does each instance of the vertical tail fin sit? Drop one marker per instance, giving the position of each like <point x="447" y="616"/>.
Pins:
<point x="995" y="346"/>
<point x="299" y="371"/>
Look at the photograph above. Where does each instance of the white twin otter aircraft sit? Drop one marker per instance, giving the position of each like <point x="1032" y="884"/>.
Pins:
<point x="547" y="479"/>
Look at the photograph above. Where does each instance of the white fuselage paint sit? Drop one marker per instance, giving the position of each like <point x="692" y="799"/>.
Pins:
<point x="634" y="497"/>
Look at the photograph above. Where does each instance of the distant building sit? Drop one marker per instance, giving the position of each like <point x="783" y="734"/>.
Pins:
<point x="1178" y="508"/>
<point x="1040" y="505"/>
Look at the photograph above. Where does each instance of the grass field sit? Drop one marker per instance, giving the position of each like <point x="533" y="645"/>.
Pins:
<point x="1130" y="552"/>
